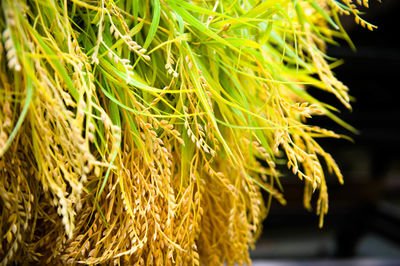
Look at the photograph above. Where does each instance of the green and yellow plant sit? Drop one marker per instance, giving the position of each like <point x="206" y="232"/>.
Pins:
<point x="144" y="132"/>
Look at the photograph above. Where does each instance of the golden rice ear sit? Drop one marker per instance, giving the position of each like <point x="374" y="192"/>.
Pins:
<point x="148" y="133"/>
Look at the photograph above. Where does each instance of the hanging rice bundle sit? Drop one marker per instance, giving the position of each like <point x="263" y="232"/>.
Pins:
<point x="147" y="132"/>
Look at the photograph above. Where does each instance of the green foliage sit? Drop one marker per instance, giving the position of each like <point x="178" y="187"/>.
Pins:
<point x="146" y="131"/>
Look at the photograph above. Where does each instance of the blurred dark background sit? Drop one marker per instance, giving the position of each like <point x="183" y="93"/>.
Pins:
<point x="363" y="223"/>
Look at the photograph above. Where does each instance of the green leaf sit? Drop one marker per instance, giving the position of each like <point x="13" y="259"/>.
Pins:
<point x="28" y="98"/>
<point x="154" y="23"/>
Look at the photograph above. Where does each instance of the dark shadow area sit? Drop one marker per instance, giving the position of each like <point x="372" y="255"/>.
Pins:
<point x="363" y="223"/>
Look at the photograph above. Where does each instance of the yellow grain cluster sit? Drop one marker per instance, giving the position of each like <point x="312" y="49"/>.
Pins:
<point x="149" y="132"/>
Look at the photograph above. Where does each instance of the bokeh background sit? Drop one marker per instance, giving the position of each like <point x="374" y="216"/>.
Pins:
<point x="363" y="223"/>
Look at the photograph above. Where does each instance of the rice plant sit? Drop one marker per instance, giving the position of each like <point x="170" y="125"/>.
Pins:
<point x="145" y="132"/>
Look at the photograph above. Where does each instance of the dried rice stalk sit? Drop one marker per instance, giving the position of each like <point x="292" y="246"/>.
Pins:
<point x="145" y="132"/>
